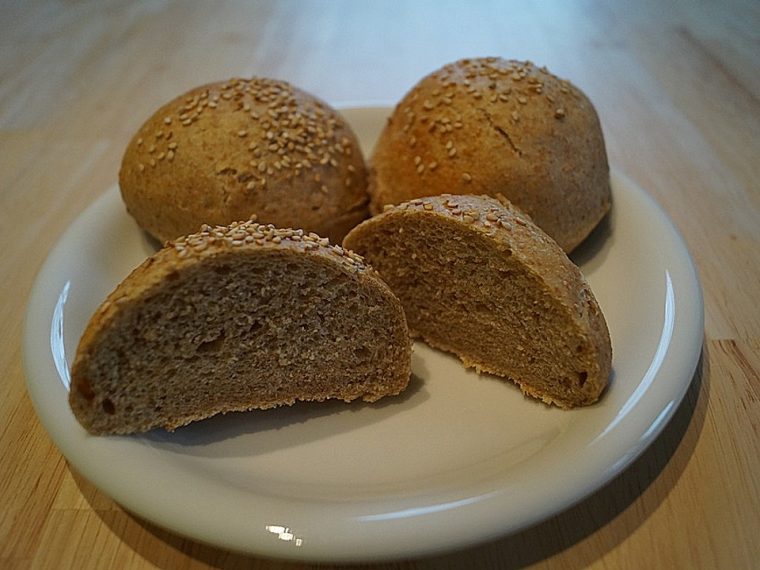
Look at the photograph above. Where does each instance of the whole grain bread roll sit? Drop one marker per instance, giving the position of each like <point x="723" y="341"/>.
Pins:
<point x="495" y="126"/>
<point x="477" y="278"/>
<point x="238" y="318"/>
<point x="227" y="150"/>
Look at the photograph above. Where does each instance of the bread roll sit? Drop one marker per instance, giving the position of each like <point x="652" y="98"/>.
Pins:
<point x="236" y="318"/>
<point x="490" y="126"/>
<point x="227" y="150"/>
<point x="479" y="279"/>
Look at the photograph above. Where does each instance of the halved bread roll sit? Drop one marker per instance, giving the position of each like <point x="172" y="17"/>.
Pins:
<point x="236" y="318"/>
<point x="478" y="278"/>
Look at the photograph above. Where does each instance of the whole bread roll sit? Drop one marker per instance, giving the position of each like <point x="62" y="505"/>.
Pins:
<point x="228" y="150"/>
<point x="477" y="278"/>
<point x="238" y="318"/>
<point x="495" y="126"/>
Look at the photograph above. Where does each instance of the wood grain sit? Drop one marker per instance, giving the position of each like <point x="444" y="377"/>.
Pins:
<point x="677" y="86"/>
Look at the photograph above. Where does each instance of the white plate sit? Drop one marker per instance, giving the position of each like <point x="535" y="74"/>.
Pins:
<point x="458" y="459"/>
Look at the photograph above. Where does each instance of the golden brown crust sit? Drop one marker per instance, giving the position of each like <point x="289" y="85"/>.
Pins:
<point x="227" y="150"/>
<point x="139" y="363"/>
<point x="475" y="264"/>
<point x="488" y="126"/>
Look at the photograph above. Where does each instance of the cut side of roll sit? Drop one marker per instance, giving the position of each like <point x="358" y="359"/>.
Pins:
<point x="478" y="278"/>
<point x="237" y="318"/>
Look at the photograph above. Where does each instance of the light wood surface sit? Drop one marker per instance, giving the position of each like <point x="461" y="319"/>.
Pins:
<point x="677" y="87"/>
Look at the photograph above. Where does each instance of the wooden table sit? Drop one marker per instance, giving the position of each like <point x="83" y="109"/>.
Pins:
<point x="677" y="87"/>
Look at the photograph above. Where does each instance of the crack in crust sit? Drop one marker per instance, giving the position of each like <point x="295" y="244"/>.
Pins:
<point x="502" y="131"/>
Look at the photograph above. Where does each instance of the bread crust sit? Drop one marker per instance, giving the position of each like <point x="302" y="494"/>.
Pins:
<point x="490" y="126"/>
<point x="499" y="232"/>
<point x="96" y="391"/>
<point x="227" y="150"/>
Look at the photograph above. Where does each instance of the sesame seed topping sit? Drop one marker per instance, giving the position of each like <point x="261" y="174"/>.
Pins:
<point x="467" y="177"/>
<point x="168" y="120"/>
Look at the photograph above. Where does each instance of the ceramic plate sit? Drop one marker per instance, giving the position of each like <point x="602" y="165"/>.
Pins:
<point x="458" y="459"/>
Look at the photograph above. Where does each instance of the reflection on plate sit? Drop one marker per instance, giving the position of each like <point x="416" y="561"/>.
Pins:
<point x="458" y="459"/>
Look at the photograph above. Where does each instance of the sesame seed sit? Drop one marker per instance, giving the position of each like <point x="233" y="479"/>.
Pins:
<point x="467" y="177"/>
<point x="168" y="120"/>
<point x="452" y="152"/>
<point x="172" y="146"/>
<point x="491" y="217"/>
<point x="559" y="113"/>
<point x="420" y="168"/>
<point x="141" y="167"/>
<point x="242" y="133"/>
<point x="467" y="219"/>
<point x="417" y="159"/>
<point x="170" y="155"/>
<point x="428" y="206"/>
